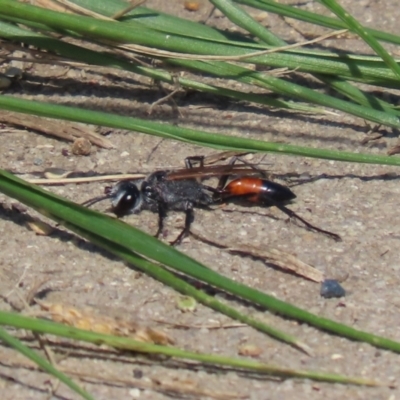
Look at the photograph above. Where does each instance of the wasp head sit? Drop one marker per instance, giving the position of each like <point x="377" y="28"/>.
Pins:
<point x="126" y="198"/>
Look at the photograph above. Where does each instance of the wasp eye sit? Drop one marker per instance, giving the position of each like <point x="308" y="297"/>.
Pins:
<point x="126" y="199"/>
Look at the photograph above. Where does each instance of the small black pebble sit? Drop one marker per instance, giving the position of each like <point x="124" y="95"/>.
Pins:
<point x="331" y="288"/>
<point x="137" y="373"/>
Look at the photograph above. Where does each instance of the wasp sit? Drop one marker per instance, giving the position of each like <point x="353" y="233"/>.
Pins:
<point x="184" y="190"/>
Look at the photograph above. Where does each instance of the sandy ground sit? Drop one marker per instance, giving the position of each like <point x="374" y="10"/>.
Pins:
<point x="357" y="201"/>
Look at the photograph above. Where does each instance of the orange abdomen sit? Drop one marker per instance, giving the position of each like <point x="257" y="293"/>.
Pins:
<point x="257" y="190"/>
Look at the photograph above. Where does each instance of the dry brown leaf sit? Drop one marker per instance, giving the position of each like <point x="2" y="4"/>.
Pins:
<point x="89" y="320"/>
<point x="283" y="260"/>
<point x="394" y="150"/>
<point x="190" y="387"/>
<point x="62" y="129"/>
<point x="53" y="180"/>
<point x="249" y="350"/>
<point x="50" y="5"/>
<point x="39" y="227"/>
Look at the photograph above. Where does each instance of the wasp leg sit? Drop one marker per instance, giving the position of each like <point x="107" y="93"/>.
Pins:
<point x="292" y="214"/>
<point x="224" y="178"/>
<point x="162" y="213"/>
<point x="190" y="161"/>
<point x="189" y="213"/>
<point x="212" y="189"/>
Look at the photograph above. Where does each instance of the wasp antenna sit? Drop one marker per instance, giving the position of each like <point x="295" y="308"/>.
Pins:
<point x="90" y="202"/>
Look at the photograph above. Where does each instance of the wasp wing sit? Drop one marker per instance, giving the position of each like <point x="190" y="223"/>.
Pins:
<point x="213" y="170"/>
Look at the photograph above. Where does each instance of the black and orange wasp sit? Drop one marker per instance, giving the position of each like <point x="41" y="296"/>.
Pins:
<point x="183" y="190"/>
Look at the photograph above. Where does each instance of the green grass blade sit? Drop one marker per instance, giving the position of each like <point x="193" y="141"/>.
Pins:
<point x="284" y="87"/>
<point x="122" y="32"/>
<point x="313" y="18"/>
<point x="208" y="42"/>
<point x="223" y="70"/>
<point x="245" y="21"/>
<point x="281" y="86"/>
<point x="132" y="239"/>
<point x="154" y="19"/>
<point x="74" y="52"/>
<point x="376" y="116"/>
<point x="361" y="97"/>
<point x="242" y="19"/>
<point x="329" y="63"/>
<point x="189" y="135"/>
<point x="22" y="322"/>
<point x="166" y="277"/>
<point x="40" y="361"/>
<point x="353" y="25"/>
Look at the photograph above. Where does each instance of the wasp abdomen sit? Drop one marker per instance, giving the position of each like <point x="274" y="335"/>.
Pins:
<point x="257" y="190"/>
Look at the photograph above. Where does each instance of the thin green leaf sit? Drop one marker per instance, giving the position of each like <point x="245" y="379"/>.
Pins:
<point x="329" y="63"/>
<point x="40" y="361"/>
<point x="353" y="25"/>
<point x="166" y="277"/>
<point x="154" y="19"/>
<point x="242" y="74"/>
<point x="225" y="70"/>
<point x="242" y="19"/>
<point x="245" y="21"/>
<point x="132" y="239"/>
<point x="74" y="52"/>
<point x="313" y="18"/>
<point x="188" y="135"/>
<point x="117" y="31"/>
<point x="18" y="321"/>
